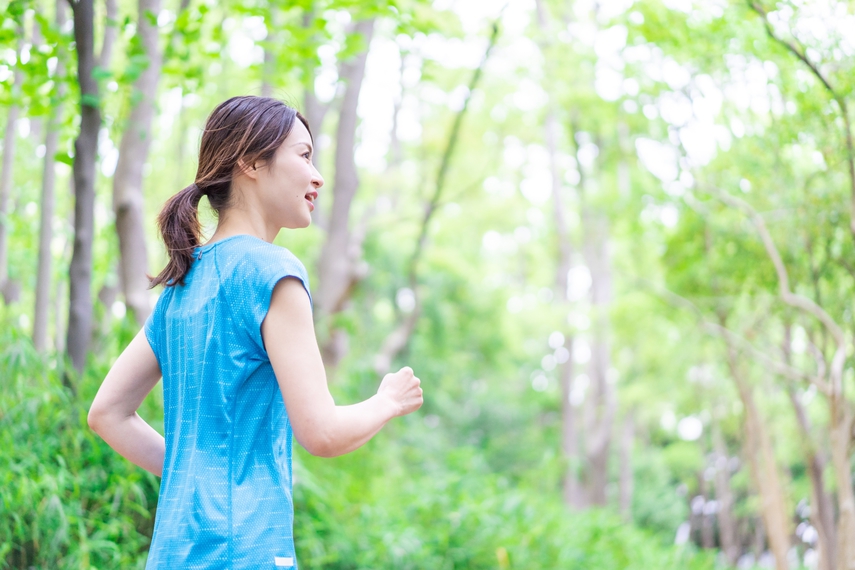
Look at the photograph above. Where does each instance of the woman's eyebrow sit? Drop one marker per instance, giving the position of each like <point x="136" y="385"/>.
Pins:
<point x="305" y="143"/>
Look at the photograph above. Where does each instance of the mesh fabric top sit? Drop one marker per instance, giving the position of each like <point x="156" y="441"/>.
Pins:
<point x="225" y="497"/>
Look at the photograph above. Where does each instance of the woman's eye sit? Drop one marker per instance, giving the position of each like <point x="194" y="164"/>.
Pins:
<point x="306" y="155"/>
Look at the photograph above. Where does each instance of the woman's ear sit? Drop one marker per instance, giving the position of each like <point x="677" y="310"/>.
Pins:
<point x="247" y="169"/>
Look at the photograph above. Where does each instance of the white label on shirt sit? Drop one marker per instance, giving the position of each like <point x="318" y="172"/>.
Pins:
<point x="283" y="561"/>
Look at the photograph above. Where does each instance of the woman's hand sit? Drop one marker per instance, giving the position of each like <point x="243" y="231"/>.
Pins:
<point x="403" y="388"/>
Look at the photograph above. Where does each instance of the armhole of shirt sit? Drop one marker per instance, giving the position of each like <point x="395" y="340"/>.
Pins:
<point x="267" y="298"/>
<point x="150" y="333"/>
<point x="153" y="329"/>
<point x="287" y="266"/>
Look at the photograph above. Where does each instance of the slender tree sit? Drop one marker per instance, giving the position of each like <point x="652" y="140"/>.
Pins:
<point x="314" y="110"/>
<point x="85" y="154"/>
<point x="830" y="383"/>
<point x="599" y="410"/>
<point x="727" y="531"/>
<point x="9" y="159"/>
<point x="338" y="265"/>
<point x="563" y="261"/>
<point x="48" y="201"/>
<point x="128" y="195"/>
<point x="398" y="339"/>
<point x="759" y="453"/>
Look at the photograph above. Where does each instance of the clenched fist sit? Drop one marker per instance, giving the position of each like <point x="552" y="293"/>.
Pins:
<point x="404" y="390"/>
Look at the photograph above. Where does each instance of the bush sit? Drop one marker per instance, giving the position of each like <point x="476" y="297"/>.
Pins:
<point x="67" y="500"/>
<point x="369" y="511"/>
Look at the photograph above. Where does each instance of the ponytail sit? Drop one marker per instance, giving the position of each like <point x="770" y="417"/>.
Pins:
<point x="182" y="233"/>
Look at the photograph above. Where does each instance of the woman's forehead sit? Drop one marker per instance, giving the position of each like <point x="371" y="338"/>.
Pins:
<point x="299" y="134"/>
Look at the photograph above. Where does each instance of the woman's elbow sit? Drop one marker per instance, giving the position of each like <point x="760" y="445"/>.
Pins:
<point x="96" y="418"/>
<point x="319" y="446"/>
<point x="93" y="419"/>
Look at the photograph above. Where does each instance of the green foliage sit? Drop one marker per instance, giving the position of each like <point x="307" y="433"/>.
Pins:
<point x="68" y="500"/>
<point x="657" y="506"/>
<point x="72" y="502"/>
<point x="382" y="511"/>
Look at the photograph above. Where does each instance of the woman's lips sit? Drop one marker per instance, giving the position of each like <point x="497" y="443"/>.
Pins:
<point x="310" y="198"/>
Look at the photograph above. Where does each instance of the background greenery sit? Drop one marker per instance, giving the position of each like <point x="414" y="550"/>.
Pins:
<point x="674" y="121"/>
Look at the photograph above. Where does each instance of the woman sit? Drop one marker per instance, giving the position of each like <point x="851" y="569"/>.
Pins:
<point x="233" y="338"/>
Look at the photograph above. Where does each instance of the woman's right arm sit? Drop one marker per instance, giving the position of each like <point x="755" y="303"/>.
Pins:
<point x="319" y="425"/>
<point x="113" y="414"/>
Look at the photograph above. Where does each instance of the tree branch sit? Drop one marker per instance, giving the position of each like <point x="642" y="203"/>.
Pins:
<point x="723" y="332"/>
<point x="838" y="97"/>
<point x="790" y="298"/>
<point x="400" y="335"/>
<point x="446" y="157"/>
<point x="793" y="299"/>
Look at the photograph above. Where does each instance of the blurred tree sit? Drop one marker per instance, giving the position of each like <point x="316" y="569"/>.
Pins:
<point x="7" y="289"/>
<point x="128" y="195"/>
<point x="564" y="254"/>
<point x="85" y="155"/>
<point x="396" y="341"/>
<point x="340" y="265"/>
<point x="47" y="203"/>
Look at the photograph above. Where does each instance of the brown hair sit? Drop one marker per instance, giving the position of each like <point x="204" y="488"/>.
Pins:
<point x="242" y="130"/>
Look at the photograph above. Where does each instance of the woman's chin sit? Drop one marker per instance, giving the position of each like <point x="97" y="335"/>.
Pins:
<point x="298" y="225"/>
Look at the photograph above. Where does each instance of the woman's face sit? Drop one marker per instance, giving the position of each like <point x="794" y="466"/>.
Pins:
<point x="288" y="184"/>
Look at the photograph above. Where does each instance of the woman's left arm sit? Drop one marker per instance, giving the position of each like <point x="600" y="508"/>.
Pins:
<point x="113" y="414"/>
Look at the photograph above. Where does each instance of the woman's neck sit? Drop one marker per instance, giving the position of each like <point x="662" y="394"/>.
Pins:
<point x="237" y="222"/>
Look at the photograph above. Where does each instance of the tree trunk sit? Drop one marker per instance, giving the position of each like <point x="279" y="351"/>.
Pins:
<point x="705" y="518"/>
<point x="821" y="507"/>
<point x="841" y="422"/>
<point x="569" y="432"/>
<point x="761" y="459"/>
<point x="180" y="129"/>
<point x="268" y="64"/>
<point x="60" y="294"/>
<point x="8" y="161"/>
<point x="85" y="152"/>
<point x="128" y="180"/>
<point x="564" y="251"/>
<point x="396" y="151"/>
<point x="111" y="31"/>
<point x="569" y="420"/>
<point x="36" y="41"/>
<point x="267" y="72"/>
<point x="626" y="476"/>
<point x="48" y="203"/>
<point x="758" y="546"/>
<point x="338" y="263"/>
<point x="600" y="407"/>
<point x="724" y="495"/>
<point x="841" y="437"/>
<point x="314" y="110"/>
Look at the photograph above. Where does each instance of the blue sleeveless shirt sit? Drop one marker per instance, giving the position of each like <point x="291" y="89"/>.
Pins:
<point x="225" y="496"/>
